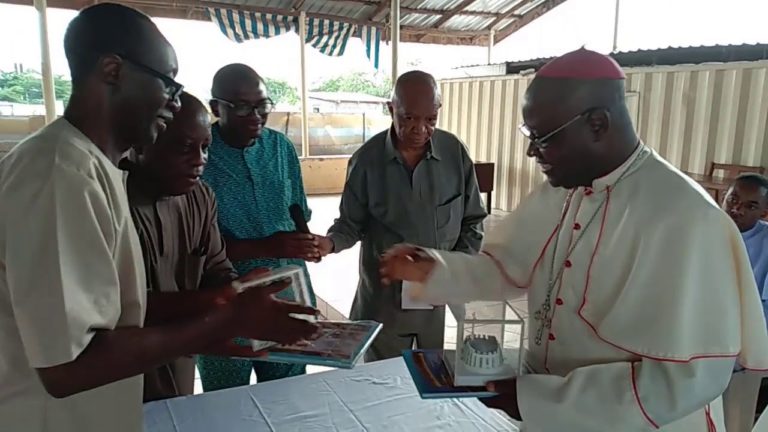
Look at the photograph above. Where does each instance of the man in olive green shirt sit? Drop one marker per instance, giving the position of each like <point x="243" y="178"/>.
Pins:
<point x="413" y="183"/>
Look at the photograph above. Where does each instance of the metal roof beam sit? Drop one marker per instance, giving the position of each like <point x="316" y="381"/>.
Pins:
<point x="383" y="4"/>
<point x="527" y="18"/>
<point x="424" y="11"/>
<point x="512" y="13"/>
<point x="453" y="12"/>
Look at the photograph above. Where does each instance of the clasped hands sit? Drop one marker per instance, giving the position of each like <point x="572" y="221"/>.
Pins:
<point x="309" y="247"/>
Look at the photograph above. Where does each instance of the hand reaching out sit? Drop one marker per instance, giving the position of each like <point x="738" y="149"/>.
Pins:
<point x="405" y="262"/>
<point x="295" y="245"/>
<point x="506" y="399"/>
<point x="326" y="245"/>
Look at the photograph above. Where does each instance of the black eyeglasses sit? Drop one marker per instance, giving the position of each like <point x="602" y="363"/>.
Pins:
<point x="242" y="109"/>
<point x="172" y="87"/>
<point x="543" y="142"/>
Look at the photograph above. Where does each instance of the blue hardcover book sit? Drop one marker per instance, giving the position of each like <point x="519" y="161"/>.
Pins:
<point x="339" y="344"/>
<point x="432" y="374"/>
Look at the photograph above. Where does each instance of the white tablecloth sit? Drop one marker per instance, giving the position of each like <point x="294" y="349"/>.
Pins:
<point x="372" y="397"/>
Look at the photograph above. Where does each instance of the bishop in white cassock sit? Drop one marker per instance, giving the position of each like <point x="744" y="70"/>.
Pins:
<point x="639" y="287"/>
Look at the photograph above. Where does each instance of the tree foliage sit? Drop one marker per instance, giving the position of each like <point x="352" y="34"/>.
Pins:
<point x="282" y="92"/>
<point x="27" y="87"/>
<point x="358" y="83"/>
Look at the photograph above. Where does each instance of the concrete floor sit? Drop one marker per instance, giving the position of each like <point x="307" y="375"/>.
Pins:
<point x="335" y="279"/>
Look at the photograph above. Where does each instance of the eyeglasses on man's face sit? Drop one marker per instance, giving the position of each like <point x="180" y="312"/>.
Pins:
<point x="172" y="87"/>
<point x="542" y="142"/>
<point x="243" y="109"/>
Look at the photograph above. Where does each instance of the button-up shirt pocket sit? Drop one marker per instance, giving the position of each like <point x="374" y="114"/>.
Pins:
<point x="448" y="218"/>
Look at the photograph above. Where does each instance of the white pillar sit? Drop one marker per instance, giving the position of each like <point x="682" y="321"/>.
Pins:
<point x="304" y="90"/>
<point x="394" y="24"/>
<point x="49" y="93"/>
<point x="491" y="41"/>
<point x="616" y="28"/>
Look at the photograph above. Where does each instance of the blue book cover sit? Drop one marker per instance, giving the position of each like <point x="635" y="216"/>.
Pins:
<point x="339" y="344"/>
<point x="433" y="378"/>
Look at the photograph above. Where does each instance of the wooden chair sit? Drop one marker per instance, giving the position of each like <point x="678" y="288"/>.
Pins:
<point x="485" y="175"/>
<point x="733" y="171"/>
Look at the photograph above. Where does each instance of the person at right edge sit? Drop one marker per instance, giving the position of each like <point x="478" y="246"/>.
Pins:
<point x="412" y="183"/>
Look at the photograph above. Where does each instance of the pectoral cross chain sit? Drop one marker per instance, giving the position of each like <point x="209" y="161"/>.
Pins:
<point x="545" y="320"/>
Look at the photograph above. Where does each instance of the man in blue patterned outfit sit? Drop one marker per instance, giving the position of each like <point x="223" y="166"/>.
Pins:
<point x="255" y="174"/>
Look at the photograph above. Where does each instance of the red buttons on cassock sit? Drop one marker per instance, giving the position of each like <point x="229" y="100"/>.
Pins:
<point x="568" y="264"/>
<point x="559" y="301"/>
<point x="588" y="191"/>
<point x="577" y="226"/>
<point x="551" y="337"/>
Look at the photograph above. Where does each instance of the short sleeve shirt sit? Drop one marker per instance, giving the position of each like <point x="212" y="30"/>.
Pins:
<point x="70" y="264"/>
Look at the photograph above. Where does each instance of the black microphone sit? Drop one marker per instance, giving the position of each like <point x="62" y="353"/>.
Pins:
<point x="297" y="214"/>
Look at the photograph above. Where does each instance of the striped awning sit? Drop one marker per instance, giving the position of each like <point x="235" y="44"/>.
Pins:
<point x="327" y="36"/>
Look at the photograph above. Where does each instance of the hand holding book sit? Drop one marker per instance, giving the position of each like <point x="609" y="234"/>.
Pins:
<point x="259" y="315"/>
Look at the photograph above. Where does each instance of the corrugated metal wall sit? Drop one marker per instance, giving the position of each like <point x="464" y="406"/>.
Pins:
<point x="692" y="115"/>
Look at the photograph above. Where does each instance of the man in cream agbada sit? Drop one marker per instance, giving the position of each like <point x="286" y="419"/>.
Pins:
<point x="638" y="310"/>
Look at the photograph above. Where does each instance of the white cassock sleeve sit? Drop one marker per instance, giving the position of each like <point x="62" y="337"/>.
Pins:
<point x="460" y="283"/>
<point x="60" y="271"/>
<point x="643" y="395"/>
<point x="461" y="278"/>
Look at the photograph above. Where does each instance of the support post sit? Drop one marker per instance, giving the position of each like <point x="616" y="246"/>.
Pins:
<point x="616" y="28"/>
<point x="49" y="93"/>
<point x="304" y="90"/>
<point x="394" y="24"/>
<point x="491" y="41"/>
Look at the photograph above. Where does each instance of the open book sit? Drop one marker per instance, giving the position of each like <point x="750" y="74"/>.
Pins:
<point x="433" y="376"/>
<point x="339" y="344"/>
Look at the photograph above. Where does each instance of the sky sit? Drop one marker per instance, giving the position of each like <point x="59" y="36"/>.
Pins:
<point x="202" y="48"/>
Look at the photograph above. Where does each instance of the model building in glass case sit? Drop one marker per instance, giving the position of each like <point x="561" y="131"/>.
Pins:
<point x="489" y="343"/>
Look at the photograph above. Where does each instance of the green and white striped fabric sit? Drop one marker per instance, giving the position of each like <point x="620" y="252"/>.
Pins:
<point x="327" y="36"/>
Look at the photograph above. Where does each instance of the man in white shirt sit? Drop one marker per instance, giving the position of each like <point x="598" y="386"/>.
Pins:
<point x="72" y="286"/>
<point x="639" y="311"/>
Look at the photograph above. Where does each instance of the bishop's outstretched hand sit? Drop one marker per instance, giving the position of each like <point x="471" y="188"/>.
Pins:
<point x="405" y="262"/>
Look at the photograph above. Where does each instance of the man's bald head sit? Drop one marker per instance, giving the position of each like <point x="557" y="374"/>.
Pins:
<point x="414" y="109"/>
<point x="192" y="111"/>
<point x="417" y="81"/>
<point x="241" y="103"/>
<point x="175" y="162"/>
<point x="231" y="78"/>
<point x="107" y="29"/>
<point x="571" y="96"/>
<point x="123" y="72"/>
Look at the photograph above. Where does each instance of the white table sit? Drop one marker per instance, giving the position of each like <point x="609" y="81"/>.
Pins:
<point x="378" y="396"/>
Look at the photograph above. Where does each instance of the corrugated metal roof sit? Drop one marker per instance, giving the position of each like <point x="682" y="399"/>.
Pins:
<point x="661" y="57"/>
<point x="418" y="20"/>
<point x="347" y="97"/>
<point x="501" y="6"/>
<point x="466" y="22"/>
<point x="432" y="4"/>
